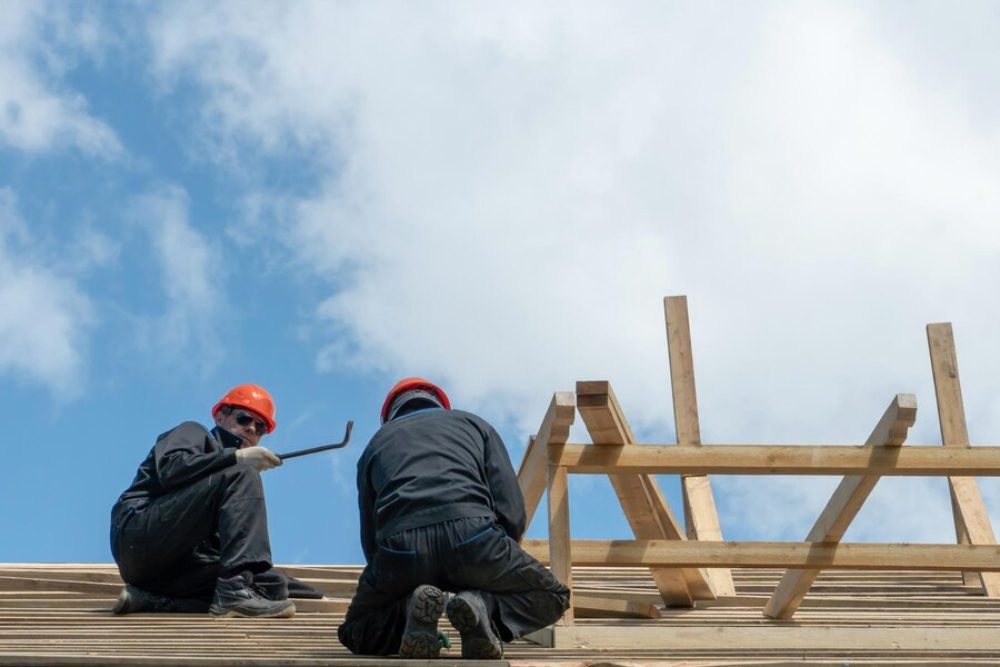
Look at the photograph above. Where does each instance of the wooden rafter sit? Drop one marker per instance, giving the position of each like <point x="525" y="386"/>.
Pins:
<point x="644" y="506"/>
<point x="700" y="515"/>
<point x="843" y="506"/>
<point x="972" y="523"/>
<point x="554" y="431"/>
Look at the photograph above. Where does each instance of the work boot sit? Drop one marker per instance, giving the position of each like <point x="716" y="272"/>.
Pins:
<point x="420" y="636"/>
<point x="134" y="600"/>
<point x="468" y="614"/>
<point x="236" y="596"/>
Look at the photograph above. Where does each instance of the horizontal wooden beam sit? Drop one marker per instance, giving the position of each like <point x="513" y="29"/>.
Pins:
<point x="779" y="460"/>
<point x="814" y="555"/>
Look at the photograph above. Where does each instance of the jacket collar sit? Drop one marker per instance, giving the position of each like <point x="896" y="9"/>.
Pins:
<point x="225" y="438"/>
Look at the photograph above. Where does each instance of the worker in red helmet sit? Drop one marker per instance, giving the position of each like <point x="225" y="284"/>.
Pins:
<point x="190" y="533"/>
<point x="442" y="516"/>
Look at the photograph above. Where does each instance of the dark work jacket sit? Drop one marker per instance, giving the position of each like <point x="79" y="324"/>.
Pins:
<point x="431" y="466"/>
<point x="180" y="456"/>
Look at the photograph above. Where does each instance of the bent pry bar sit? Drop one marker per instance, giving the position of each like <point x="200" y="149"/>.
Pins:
<point x="321" y="448"/>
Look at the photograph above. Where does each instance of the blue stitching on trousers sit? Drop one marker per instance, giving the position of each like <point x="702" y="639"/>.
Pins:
<point x="476" y="536"/>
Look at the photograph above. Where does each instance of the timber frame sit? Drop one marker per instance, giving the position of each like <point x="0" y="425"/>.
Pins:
<point x="693" y="564"/>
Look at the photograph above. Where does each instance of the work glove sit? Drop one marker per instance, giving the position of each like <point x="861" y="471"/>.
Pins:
<point x="260" y="458"/>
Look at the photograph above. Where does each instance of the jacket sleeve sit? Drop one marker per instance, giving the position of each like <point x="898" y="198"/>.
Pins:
<point x="507" y="498"/>
<point x="187" y="453"/>
<point x="366" y="506"/>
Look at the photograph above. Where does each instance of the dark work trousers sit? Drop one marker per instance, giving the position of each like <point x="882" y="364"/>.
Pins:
<point x="457" y="555"/>
<point x="182" y="541"/>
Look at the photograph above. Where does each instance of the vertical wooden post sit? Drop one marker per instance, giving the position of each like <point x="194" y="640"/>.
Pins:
<point x="972" y="522"/>
<point x="700" y="515"/>
<point x="560" y="556"/>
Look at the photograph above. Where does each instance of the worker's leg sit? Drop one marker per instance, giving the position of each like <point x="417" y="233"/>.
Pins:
<point x="157" y="547"/>
<point x="520" y="593"/>
<point x="375" y="620"/>
<point x="377" y="616"/>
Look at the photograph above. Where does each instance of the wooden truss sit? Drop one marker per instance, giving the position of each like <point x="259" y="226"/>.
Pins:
<point x="693" y="564"/>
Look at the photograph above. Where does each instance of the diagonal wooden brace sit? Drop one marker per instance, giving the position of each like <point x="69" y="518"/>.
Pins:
<point x="700" y="514"/>
<point x="643" y="503"/>
<point x="843" y="506"/>
<point x="532" y="476"/>
<point x="972" y="522"/>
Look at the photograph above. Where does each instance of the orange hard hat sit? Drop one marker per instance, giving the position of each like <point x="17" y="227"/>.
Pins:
<point x="252" y="397"/>
<point x="406" y="384"/>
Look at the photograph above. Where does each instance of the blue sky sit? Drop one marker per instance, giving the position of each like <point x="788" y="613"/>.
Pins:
<point x="324" y="197"/>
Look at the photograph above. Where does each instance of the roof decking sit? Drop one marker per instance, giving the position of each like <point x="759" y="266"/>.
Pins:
<point x="870" y="617"/>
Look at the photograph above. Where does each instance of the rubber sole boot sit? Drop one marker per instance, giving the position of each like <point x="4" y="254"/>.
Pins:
<point x="235" y="596"/>
<point x="467" y="613"/>
<point x="423" y="609"/>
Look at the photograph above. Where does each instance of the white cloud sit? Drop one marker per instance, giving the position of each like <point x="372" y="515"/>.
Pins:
<point x="512" y="190"/>
<point x="36" y="113"/>
<point x="45" y="319"/>
<point x="187" y="327"/>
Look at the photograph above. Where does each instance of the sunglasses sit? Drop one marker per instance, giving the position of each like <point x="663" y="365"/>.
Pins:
<point x="245" y="419"/>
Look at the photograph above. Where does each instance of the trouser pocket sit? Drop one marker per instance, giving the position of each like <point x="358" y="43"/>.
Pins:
<point x="396" y="571"/>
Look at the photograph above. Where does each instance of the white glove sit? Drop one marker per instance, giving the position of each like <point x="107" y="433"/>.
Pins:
<point x="260" y="458"/>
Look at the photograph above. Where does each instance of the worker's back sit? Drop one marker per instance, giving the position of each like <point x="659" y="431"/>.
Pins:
<point x="433" y="465"/>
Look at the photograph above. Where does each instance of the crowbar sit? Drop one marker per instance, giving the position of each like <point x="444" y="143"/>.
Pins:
<point x="321" y="448"/>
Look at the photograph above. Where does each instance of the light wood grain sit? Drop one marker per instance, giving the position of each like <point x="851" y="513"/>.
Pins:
<point x="844" y="505"/>
<point x="701" y="517"/>
<point x="808" y="555"/>
<point x="972" y="522"/>
<point x="554" y="431"/>
<point x="559" y="552"/>
<point x="645" y="508"/>
<point x="780" y="460"/>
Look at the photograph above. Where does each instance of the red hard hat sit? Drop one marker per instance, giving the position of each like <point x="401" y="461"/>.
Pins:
<point x="252" y="397"/>
<point x="407" y="384"/>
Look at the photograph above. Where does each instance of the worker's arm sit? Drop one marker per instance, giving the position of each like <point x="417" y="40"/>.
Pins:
<point x="507" y="499"/>
<point x="187" y="453"/>
<point x="366" y="507"/>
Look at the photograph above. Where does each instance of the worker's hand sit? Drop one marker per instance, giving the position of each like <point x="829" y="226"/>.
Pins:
<point x="259" y="457"/>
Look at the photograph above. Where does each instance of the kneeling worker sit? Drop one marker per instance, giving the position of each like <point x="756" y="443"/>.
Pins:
<point x="190" y="533"/>
<point x="441" y="518"/>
